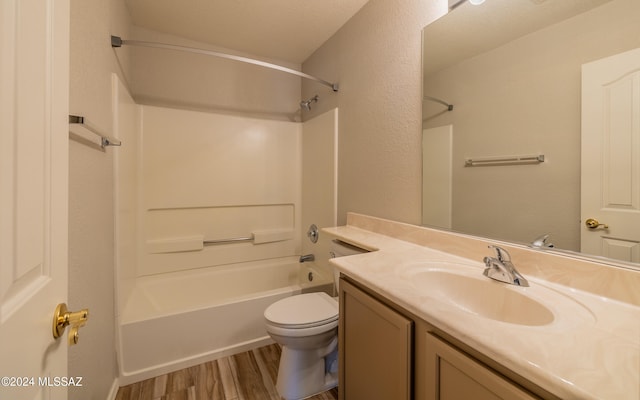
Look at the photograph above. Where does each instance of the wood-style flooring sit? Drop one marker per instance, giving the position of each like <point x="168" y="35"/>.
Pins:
<point x="246" y="376"/>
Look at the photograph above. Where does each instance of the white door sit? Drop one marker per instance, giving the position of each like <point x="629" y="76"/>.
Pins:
<point x="611" y="157"/>
<point x="34" y="85"/>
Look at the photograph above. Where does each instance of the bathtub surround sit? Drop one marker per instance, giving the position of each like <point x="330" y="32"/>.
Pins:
<point x="319" y="180"/>
<point x="202" y="177"/>
<point x="126" y="123"/>
<point x="188" y="183"/>
<point x="220" y="177"/>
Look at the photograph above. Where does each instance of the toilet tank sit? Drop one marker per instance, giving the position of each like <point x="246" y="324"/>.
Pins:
<point x="338" y="248"/>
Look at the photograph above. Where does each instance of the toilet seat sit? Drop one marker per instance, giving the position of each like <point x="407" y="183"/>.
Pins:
<point x="304" y="314"/>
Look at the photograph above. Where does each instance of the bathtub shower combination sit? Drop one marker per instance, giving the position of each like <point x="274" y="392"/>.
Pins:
<point x="209" y="229"/>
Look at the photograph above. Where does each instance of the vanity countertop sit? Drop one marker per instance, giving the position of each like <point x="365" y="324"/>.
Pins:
<point x="596" y="355"/>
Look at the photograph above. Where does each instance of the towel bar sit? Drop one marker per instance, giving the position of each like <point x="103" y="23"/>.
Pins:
<point x="104" y="139"/>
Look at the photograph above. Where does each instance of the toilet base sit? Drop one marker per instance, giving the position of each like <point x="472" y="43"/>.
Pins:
<point x="304" y="373"/>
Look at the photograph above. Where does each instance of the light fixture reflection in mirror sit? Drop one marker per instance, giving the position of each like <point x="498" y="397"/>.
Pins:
<point x="519" y="95"/>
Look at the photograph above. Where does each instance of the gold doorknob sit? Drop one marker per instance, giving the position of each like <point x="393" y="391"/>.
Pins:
<point x="62" y="317"/>
<point x="593" y="223"/>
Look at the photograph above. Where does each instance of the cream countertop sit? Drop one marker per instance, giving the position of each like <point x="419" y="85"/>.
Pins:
<point x="590" y="351"/>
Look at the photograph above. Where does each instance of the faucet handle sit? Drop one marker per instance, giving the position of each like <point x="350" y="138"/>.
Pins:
<point x="501" y="254"/>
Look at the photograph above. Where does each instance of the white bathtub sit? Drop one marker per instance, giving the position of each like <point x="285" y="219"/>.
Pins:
<point x="172" y="321"/>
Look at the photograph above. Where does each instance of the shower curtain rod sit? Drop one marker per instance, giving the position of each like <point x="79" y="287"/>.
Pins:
<point x="117" y="41"/>
<point x="437" y="100"/>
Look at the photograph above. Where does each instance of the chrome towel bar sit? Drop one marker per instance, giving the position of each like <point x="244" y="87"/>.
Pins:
<point x="104" y="139"/>
<point x="506" y="160"/>
<point x="232" y="240"/>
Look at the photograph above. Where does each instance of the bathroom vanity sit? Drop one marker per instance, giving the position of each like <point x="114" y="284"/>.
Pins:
<point x="420" y="323"/>
<point x="387" y="353"/>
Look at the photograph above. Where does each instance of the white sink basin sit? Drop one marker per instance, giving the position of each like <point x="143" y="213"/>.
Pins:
<point x="467" y="289"/>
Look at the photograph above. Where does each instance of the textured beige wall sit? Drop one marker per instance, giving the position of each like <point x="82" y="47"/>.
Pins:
<point x="91" y="251"/>
<point x="376" y="59"/>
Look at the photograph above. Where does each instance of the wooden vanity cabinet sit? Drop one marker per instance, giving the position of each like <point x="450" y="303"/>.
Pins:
<point x="375" y="348"/>
<point x="452" y="375"/>
<point x="385" y="353"/>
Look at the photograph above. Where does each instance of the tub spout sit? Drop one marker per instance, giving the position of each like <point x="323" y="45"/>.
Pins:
<point x="307" y="257"/>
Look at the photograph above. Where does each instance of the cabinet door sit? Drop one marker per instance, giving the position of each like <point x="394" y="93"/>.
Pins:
<point x="452" y="375"/>
<point x="375" y="348"/>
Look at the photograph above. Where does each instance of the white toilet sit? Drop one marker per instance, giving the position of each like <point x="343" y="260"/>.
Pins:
<point x="306" y="325"/>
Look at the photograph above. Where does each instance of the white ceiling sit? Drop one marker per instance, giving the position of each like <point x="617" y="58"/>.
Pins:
<point x="287" y="30"/>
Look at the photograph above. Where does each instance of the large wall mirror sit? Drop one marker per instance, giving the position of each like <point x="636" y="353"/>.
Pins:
<point x="504" y="114"/>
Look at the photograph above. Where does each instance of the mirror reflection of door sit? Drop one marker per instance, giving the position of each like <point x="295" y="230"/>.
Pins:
<point x="611" y="157"/>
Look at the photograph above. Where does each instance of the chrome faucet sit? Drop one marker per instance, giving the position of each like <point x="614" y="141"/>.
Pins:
<point x="541" y="242"/>
<point x="307" y="257"/>
<point x="501" y="269"/>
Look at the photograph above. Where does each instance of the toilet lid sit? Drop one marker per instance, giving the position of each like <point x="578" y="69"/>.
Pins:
<point x="303" y="310"/>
